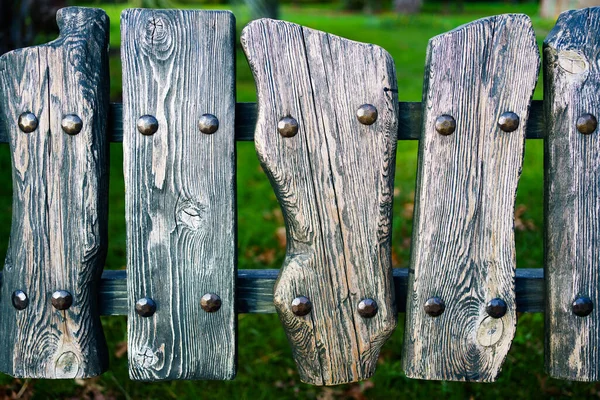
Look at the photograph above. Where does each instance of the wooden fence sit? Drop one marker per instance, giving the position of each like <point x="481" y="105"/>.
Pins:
<point x="325" y="128"/>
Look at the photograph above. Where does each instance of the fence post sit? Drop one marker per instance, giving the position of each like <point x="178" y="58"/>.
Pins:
<point x="179" y="164"/>
<point x="54" y="103"/>
<point x="461" y="311"/>
<point x="572" y="237"/>
<point x="326" y="137"/>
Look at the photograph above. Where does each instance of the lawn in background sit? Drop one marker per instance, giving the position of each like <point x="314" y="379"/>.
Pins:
<point x="266" y="368"/>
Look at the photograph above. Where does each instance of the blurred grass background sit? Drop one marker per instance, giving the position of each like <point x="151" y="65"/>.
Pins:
<point x="266" y="368"/>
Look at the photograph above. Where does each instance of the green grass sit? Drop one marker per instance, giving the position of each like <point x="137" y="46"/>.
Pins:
<point x="266" y="367"/>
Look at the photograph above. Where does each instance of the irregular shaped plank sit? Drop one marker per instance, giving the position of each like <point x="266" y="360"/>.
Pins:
<point x="463" y="242"/>
<point x="334" y="181"/>
<point x="571" y="90"/>
<point x="60" y="191"/>
<point x="180" y="192"/>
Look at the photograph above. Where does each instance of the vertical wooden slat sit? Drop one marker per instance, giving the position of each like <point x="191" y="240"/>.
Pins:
<point x="463" y="250"/>
<point x="180" y="192"/>
<point x="571" y="90"/>
<point x="60" y="191"/>
<point x="334" y="181"/>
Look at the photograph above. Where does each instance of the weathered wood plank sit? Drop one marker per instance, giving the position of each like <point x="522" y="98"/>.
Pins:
<point x="60" y="191"/>
<point x="410" y="122"/>
<point x="572" y="237"/>
<point x="255" y="291"/>
<point x="180" y="192"/>
<point x="334" y="178"/>
<point x="463" y="242"/>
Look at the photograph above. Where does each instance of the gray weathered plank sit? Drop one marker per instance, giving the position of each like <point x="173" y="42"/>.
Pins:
<point x="410" y="121"/>
<point x="60" y="190"/>
<point x="334" y="181"/>
<point x="572" y="238"/>
<point x="180" y="192"/>
<point x="255" y="291"/>
<point x="463" y="242"/>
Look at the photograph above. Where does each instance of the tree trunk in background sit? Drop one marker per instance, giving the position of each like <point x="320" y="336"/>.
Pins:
<point x="22" y="20"/>
<point x="353" y="5"/>
<point x="263" y="8"/>
<point x="552" y="8"/>
<point x="408" y="6"/>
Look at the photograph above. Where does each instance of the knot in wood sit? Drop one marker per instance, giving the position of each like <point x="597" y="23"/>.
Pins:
<point x="158" y="40"/>
<point x="190" y="214"/>
<point x="67" y="366"/>
<point x="572" y="62"/>
<point x="490" y="331"/>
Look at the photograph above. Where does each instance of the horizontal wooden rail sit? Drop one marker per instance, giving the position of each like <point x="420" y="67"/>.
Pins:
<point x="409" y="125"/>
<point x="255" y="290"/>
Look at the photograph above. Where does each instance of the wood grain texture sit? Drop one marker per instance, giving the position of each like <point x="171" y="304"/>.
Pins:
<point x="463" y="242"/>
<point x="334" y="182"/>
<point x="60" y="191"/>
<point x="572" y="198"/>
<point x="410" y="122"/>
<point x="180" y="192"/>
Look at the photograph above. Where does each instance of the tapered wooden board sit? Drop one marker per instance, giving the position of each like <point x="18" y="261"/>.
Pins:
<point x="334" y="182"/>
<point x="572" y="88"/>
<point x="180" y="192"/>
<point x="463" y="247"/>
<point x="60" y="191"/>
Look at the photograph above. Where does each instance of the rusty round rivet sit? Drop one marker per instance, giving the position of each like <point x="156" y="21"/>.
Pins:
<point x="367" y="308"/>
<point x="301" y="306"/>
<point x="20" y="300"/>
<point x="434" y="306"/>
<point x="366" y="114"/>
<point x="587" y="124"/>
<point x="62" y="300"/>
<point x="147" y="125"/>
<point x="71" y="124"/>
<point x="496" y="308"/>
<point x="145" y="307"/>
<point x="28" y="122"/>
<point x="210" y="302"/>
<point x="445" y="125"/>
<point x="582" y="306"/>
<point x="208" y="124"/>
<point x="508" y="122"/>
<point x="287" y="127"/>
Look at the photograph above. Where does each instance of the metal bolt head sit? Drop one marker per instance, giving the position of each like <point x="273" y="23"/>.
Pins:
<point x="367" y="308"/>
<point x="145" y="307"/>
<point x="582" y="306"/>
<point x="210" y="302"/>
<point x="71" y="124"/>
<point x="20" y="300"/>
<point x="496" y="308"/>
<point x="287" y="127"/>
<point x="509" y="121"/>
<point x="62" y="300"/>
<point x="147" y="125"/>
<point x="445" y="125"/>
<point x="434" y="306"/>
<point x="301" y="306"/>
<point x="587" y="124"/>
<point x="208" y="124"/>
<point x="366" y="114"/>
<point x="28" y="122"/>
